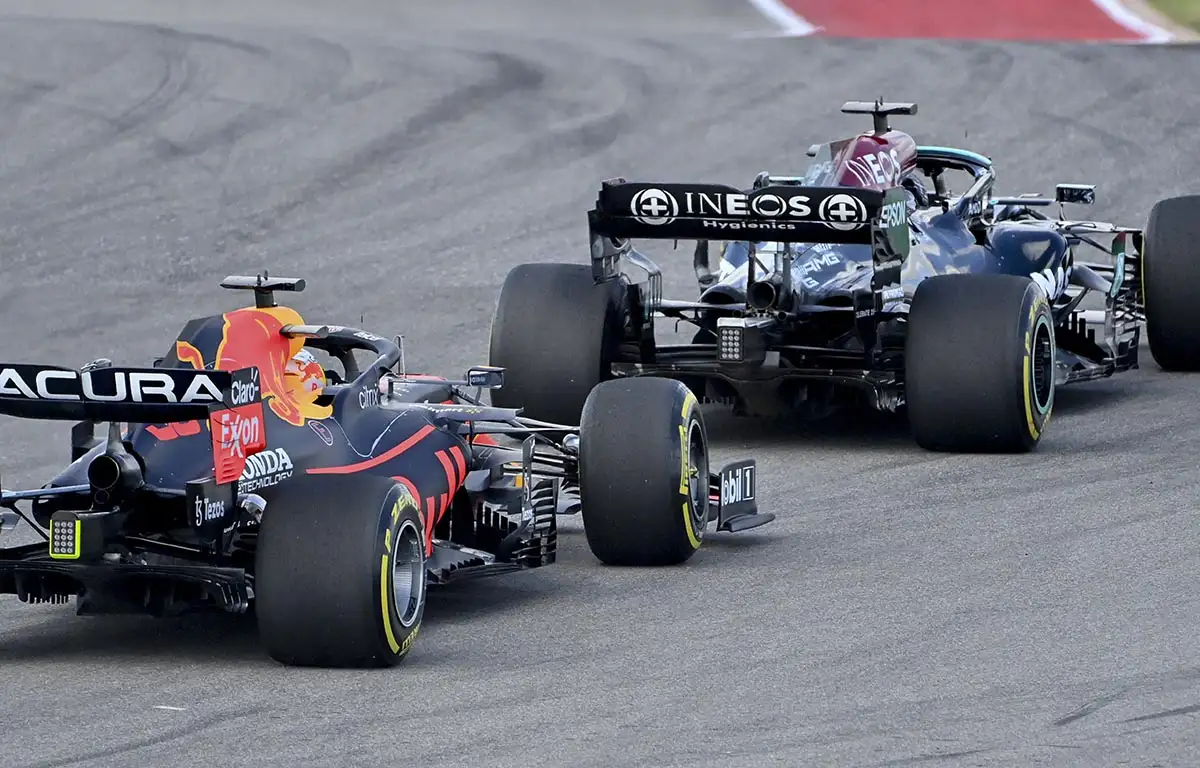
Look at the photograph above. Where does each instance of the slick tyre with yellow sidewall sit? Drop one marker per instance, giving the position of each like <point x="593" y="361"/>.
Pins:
<point x="340" y="572"/>
<point x="1171" y="283"/>
<point x="643" y="472"/>
<point x="980" y="360"/>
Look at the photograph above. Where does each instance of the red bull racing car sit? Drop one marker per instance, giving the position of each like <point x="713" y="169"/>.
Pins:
<point x="238" y="474"/>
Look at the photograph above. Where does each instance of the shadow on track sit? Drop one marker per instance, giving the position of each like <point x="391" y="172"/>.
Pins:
<point x="219" y="638"/>
<point x="854" y="429"/>
<point x="1083" y="398"/>
<point x="867" y="430"/>
<point x="470" y="601"/>
<point x="198" y="639"/>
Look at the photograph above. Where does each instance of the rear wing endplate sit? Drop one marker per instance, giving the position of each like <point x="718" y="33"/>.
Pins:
<point x="779" y="213"/>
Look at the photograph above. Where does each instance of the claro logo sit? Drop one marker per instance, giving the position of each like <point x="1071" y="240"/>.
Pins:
<point x="246" y="392"/>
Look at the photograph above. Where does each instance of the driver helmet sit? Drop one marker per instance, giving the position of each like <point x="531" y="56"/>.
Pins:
<point x="304" y="374"/>
<point x="918" y="194"/>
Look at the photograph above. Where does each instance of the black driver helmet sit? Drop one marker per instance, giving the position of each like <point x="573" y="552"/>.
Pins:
<point x="915" y="187"/>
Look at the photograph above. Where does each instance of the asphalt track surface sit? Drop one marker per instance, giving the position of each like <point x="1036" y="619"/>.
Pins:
<point x="907" y="608"/>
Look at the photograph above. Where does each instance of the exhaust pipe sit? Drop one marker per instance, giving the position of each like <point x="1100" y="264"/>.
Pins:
<point x="762" y="294"/>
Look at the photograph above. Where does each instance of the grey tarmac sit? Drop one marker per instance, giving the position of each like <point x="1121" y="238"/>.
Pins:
<point x="907" y="608"/>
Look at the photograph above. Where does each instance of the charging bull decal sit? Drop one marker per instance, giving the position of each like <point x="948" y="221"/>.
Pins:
<point x="253" y="337"/>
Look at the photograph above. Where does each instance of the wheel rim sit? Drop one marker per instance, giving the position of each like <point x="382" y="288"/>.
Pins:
<point x="408" y="573"/>
<point x="698" y="476"/>
<point x="1043" y="365"/>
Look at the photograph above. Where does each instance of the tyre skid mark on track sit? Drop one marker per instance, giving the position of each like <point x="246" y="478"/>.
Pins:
<point x="575" y="134"/>
<point x="1100" y="135"/>
<point x="175" y="90"/>
<point x="557" y="142"/>
<point x="1091" y="707"/>
<point x="1031" y="686"/>
<point x="935" y="756"/>
<point x="163" y="737"/>
<point x="24" y="94"/>
<point x="83" y="209"/>
<point x="200" y="37"/>
<point x="512" y="74"/>
<point x="164" y="96"/>
<point x="1176" y="712"/>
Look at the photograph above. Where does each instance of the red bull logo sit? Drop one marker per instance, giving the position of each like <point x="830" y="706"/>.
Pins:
<point x="253" y="337"/>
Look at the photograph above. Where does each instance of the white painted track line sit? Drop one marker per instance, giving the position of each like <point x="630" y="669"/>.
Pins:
<point x="790" y="23"/>
<point x="1121" y="14"/>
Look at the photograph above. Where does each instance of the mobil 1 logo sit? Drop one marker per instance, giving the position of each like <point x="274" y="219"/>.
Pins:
<point x="738" y="488"/>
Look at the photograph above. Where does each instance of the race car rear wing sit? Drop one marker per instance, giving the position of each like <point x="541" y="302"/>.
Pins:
<point x="779" y="213"/>
<point x="147" y="395"/>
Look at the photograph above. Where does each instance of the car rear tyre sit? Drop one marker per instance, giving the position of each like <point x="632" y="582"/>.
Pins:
<point x="643" y="470"/>
<point x="1171" y="283"/>
<point x="980" y="363"/>
<point x="555" y="331"/>
<point x="340" y="572"/>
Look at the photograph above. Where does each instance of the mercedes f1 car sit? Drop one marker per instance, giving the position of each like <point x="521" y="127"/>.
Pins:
<point x="326" y="501"/>
<point x="856" y="281"/>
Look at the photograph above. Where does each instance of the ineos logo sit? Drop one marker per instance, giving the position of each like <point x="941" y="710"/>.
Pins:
<point x="878" y="167"/>
<point x="768" y="206"/>
<point x="654" y="206"/>
<point x="843" y="212"/>
<point x="739" y="205"/>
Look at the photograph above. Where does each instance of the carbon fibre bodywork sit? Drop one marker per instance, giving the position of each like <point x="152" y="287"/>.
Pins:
<point x="822" y="302"/>
<point x="357" y="425"/>
<point x="166" y="514"/>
